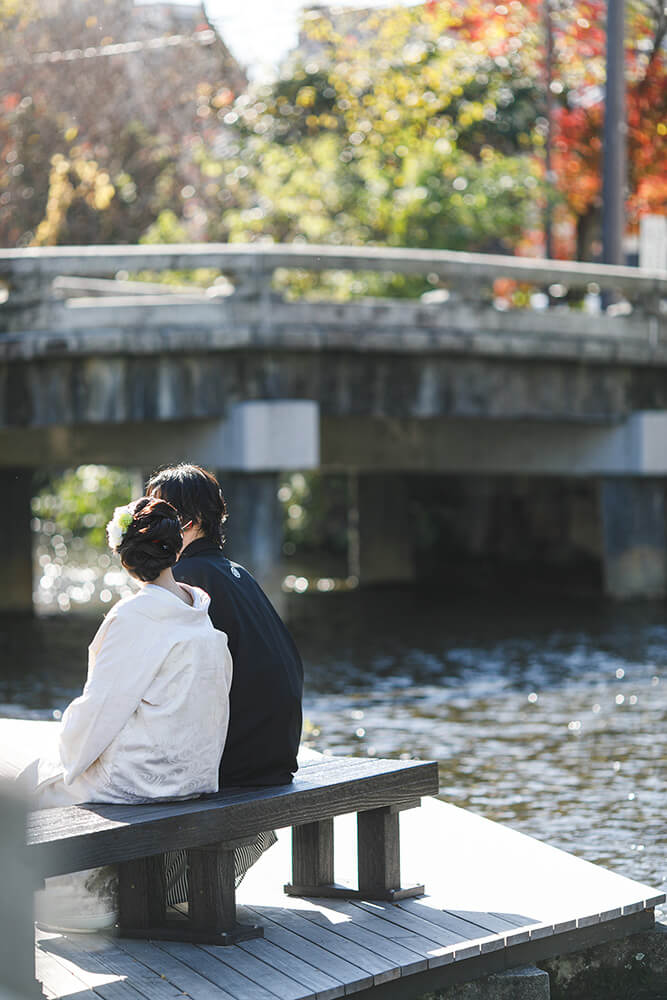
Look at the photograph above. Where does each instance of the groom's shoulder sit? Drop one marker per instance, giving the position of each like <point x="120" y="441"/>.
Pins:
<point x="209" y="564"/>
<point x="220" y="577"/>
<point x="212" y="563"/>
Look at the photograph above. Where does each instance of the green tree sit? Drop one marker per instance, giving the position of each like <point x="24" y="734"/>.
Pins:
<point x="426" y="126"/>
<point x="389" y="128"/>
<point x="81" y="501"/>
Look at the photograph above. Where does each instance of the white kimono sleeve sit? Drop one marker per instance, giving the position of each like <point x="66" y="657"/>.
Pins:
<point x="124" y="658"/>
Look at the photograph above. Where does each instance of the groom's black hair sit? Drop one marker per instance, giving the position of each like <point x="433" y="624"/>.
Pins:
<point x="196" y="495"/>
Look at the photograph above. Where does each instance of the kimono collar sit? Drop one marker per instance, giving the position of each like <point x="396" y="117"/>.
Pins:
<point x="159" y="603"/>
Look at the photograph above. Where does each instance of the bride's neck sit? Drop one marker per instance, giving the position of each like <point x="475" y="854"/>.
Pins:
<point x="166" y="580"/>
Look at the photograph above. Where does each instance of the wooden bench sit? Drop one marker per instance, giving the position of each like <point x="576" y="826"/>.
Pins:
<point x="211" y="828"/>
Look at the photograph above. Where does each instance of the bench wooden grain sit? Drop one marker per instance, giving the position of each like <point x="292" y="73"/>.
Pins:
<point x="136" y="837"/>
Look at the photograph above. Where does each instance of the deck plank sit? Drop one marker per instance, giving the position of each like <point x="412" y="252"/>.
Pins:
<point x="408" y="961"/>
<point x="79" y="964"/>
<point x="145" y="980"/>
<point x="94" y="957"/>
<point x="281" y="984"/>
<point x="183" y="977"/>
<point x="322" y="986"/>
<point x="86" y="966"/>
<point x="224" y="976"/>
<point x="450" y="921"/>
<point x="397" y="915"/>
<point x="493" y="921"/>
<point x="59" y="981"/>
<point x="395" y="933"/>
<point x="515" y="919"/>
<point x="350" y="976"/>
<point x="379" y="968"/>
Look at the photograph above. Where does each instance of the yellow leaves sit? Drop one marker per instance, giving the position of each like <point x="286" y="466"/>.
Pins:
<point x="211" y="169"/>
<point x="70" y="180"/>
<point x="102" y="193"/>
<point x="27" y="10"/>
<point x="475" y="111"/>
<point x="306" y="97"/>
<point x="71" y="133"/>
<point x="86" y="170"/>
<point x="60" y="164"/>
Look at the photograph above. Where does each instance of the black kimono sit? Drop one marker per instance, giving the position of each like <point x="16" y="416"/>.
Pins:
<point x="267" y="683"/>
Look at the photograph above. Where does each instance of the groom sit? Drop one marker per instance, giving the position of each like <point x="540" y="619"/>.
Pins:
<point x="267" y="684"/>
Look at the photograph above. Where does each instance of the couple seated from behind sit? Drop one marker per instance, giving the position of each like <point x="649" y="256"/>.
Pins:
<point x="194" y="683"/>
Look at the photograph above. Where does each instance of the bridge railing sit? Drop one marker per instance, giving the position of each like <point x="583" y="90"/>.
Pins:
<point x="29" y="274"/>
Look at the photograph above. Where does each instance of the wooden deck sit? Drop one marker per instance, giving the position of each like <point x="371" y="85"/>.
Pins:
<point x="496" y="899"/>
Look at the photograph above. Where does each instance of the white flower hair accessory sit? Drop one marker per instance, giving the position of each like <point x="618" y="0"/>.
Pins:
<point x="118" y="525"/>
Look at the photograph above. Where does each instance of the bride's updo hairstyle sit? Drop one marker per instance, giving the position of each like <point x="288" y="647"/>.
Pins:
<point x="152" y="541"/>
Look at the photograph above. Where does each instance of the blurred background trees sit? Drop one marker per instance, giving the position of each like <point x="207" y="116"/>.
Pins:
<point x="427" y="126"/>
<point x="102" y="107"/>
<point x="419" y="126"/>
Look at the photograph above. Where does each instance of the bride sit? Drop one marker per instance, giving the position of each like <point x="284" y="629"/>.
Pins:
<point x="152" y="719"/>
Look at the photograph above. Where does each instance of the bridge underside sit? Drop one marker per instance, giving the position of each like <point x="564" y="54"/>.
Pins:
<point x="585" y="501"/>
<point x="275" y="435"/>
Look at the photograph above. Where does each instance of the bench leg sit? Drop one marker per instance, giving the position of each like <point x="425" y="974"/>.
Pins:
<point x="312" y="859"/>
<point x="379" y="860"/>
<point x="212" y="902"/>
<point x="211" y="917"/>
<point x="378" y="843"/>
<point x="141" y="894"/>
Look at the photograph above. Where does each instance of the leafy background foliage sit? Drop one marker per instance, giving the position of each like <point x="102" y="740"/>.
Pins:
<point x="418" y="126"/>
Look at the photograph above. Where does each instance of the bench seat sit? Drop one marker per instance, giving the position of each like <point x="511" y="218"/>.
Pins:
<point x="136" y="837"/>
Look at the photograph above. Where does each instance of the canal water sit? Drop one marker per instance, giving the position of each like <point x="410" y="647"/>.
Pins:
<point x="547" y="715"/>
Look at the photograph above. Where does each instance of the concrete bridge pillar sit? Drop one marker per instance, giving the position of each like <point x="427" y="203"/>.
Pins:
<point x="16" y="484"/>
<point x="254" y="530"/>
<point x="634" y="527"/>
<point x="385" y="537"/>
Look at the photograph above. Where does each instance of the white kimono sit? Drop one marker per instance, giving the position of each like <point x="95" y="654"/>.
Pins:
<point x="152" y="719"/>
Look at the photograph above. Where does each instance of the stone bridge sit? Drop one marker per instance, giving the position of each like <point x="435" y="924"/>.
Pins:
<point x="456" y="386"/>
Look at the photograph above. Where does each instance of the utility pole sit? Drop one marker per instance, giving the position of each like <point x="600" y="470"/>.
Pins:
<point x="614" y="171"/>
<point x="549" y="108"/>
